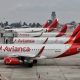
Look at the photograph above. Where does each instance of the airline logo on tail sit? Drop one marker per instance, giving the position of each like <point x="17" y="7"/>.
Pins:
<point x="75" y="32"/>
<point x="75" y="47"/>
<point x="53" y="25"/>
<point x="47" y="23"/>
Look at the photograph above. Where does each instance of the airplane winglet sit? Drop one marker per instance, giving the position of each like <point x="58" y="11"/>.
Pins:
<point x="62" y="31"/>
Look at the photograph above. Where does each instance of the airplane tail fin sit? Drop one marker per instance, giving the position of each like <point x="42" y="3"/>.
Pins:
<point x="53" y="25"/>
<point x="74" y="34"/>
<point x="62" y="31"/>
<point x="76" y="30"/>
<point x="45" y="25"/>
<point x="76" y="39"/>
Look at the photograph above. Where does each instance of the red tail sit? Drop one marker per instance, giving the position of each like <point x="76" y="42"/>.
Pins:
<point x="75" y="39"/>
<point x="63" y="30"/>
<point x="74" y="48"/>
<point x="53" y="25"/>
<point x="76" y="31"/>
<point x="45" y="25"/>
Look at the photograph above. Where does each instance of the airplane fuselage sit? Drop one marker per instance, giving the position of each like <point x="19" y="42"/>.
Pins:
<point x="38" y="34"/>
<point x="40" y="40"/>
<point x="38" y="50"/>
<point x="28" y="30"/>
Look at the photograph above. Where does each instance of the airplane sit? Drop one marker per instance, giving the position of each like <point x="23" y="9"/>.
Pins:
<point x="42" y="34"/>
<point x="46" y="40"/>
<point x="30" y="53"/>
<point x="46" y="24"/>
<point x="47" y="27"/>
<point x="62" y="32"/>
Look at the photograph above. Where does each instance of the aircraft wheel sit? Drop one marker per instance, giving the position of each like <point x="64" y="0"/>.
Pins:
<point x="30" y="64"/>
<point x="35" y="61"/>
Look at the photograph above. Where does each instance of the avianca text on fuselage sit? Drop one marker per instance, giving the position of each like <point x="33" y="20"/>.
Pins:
<point x="41" y="40"/>
<point x="23" y="40"/>
<point x="13" y="53"/>
<point x="14" y="49"/>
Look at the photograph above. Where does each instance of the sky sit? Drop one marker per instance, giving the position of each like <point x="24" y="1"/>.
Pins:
<point x="39" y="10"/>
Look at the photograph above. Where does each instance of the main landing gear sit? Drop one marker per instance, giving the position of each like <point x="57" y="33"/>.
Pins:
<point x="34" y="61"/>
<point x="29" y="62"/>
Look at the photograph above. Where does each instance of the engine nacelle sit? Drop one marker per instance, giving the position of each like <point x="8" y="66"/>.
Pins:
<point x="11" y="60"/>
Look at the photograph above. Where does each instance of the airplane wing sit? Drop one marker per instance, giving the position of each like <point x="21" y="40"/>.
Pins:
<point x="39" y="35"/>
<point x="27" y="56"/>
<point x="31" y="55"/>
<point x="21" y="55"/>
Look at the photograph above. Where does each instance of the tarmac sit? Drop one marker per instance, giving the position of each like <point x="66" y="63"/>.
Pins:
<point x="67" y="68"/>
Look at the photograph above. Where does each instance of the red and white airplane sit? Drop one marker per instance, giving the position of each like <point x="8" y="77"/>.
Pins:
<point x="42" y="40"/>
<point x="62" y="32"/>
<point x="14" y="53"/>
<point x="42" y="34"/>
<point x="46" y="40"/>
<point x="47" y="27"/>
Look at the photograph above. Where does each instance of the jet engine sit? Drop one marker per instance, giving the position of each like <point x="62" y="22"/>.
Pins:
<point x="11" y="61"/>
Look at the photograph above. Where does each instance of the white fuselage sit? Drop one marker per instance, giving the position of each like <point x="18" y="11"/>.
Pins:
<point x="27" y="30"/>
<point x="50" y="50"/>
<point x="38" y="34"/>
<point x="40" y="40"/>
